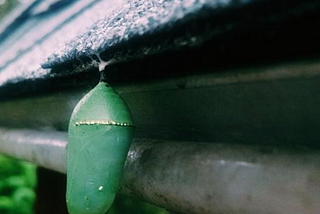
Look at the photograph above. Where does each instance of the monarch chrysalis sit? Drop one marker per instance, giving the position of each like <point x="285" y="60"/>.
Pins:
<point x="99" y="137"/>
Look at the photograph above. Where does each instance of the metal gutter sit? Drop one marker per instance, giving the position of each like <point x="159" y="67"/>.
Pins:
<point x="194" y="177"/>
<point x="273" y="104"/>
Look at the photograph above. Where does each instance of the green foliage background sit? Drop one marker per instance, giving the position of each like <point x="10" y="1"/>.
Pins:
<point x="17" y="183"/>
<point x="6" y="6"/>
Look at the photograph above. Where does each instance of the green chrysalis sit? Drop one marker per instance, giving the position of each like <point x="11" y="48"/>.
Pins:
<point x="100" y="132"/>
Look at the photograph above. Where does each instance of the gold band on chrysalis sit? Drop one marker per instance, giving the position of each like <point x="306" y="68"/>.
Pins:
<point x="103" y="122"/>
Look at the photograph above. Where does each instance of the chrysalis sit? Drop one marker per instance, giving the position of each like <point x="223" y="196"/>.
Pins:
<point x="99" y="137"/>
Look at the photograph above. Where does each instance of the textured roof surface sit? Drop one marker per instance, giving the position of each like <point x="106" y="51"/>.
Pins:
<point x="40" y="36"/>
<point x="75" y="38"/>
<point x="136" y="18"/>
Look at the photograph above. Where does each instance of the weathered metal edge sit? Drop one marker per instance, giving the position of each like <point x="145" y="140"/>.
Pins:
<point x="196" y="178"/>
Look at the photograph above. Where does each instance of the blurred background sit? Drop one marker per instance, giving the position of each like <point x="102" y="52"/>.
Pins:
<point x="17" y="184"/>
<point x="6" y="6"/>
